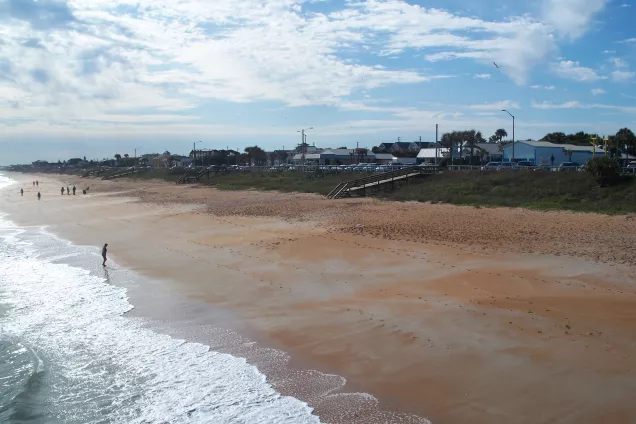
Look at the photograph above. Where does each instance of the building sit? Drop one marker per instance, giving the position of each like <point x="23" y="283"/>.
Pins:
<point x="432" y="155"/>
<point x="490" y="152"/>
<point x="542" y="152"/>
<point x="161" y="161"/>
<point x="342" y="157"/>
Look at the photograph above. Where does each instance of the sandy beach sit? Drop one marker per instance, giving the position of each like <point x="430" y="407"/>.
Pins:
<point x="456" y="314"/>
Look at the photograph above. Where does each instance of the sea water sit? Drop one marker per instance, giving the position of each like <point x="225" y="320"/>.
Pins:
<point x="68" y="353"/>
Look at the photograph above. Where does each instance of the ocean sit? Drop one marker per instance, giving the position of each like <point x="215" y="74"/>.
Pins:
<point x="70" y="354"/>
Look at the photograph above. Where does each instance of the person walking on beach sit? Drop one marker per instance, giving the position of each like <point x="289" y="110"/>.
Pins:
<point x="62" y="191"/>
<point x="37" y="183"/>
<point x="104" y="251"/>
<point x="21" y="192"/>
<point x="68" y="192"/>
<point x="39" y="195"/>
<point x="33" y="183"/>
<point x="73" y="190"/>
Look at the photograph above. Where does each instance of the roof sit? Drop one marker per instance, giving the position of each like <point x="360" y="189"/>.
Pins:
<point x="432" y="153"/>
<point x="490" y="148"/>
<point x="572" y="147"/>
<point x="383" y="156"/>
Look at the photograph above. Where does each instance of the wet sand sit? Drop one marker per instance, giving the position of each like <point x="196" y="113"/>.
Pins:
<point x="457" y="314"/>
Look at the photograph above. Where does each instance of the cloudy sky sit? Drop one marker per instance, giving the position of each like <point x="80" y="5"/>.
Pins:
<point x="96" y="77"/>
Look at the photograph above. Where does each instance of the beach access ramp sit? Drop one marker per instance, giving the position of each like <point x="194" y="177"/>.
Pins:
<point x="377" y="181"/>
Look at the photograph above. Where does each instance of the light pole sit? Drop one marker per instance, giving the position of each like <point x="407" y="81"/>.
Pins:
<point x="136" y="154"/>
<point x="194" y="152"/>
<point x="513" y="134"/>
<point x="303" y="145"/>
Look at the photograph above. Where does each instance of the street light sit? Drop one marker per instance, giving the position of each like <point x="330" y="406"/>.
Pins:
<point x="513" y="134"/>
<point x="304" y="144"/>
<point x="194" y="152"/>
<point x="136" y="154"/>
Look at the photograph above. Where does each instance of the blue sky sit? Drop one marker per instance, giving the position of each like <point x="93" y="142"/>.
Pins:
<point x="98" y="77"/>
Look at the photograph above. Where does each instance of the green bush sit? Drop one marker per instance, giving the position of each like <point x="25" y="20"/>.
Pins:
<point x="604" y="169"/>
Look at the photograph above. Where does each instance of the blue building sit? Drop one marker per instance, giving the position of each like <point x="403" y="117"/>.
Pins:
<point x="541" y="152"/>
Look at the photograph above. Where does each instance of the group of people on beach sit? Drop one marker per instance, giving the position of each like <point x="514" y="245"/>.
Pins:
<point x="68" y="192"/>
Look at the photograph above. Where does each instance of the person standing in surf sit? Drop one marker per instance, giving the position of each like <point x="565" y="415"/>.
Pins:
<point x="104" y="251"/>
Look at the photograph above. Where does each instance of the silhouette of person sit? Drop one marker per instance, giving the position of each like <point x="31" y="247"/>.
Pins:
<point x="62" y="191"/>
<point x="37" y="183"/>
<point x="68" y="192"/>
<point x="73" y="190"/>
<point x="21" y="192"/>
<point x="39" y="195"/>
<point x="104" y="252"/>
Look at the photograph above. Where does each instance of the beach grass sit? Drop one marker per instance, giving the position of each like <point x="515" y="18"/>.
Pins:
<point x="575" y="191"/>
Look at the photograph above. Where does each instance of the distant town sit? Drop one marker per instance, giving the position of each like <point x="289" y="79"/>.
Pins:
<point x="453" y="148"/>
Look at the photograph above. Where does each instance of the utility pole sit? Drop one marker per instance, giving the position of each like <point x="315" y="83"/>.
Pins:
<point x="194" y="153"/>
<point x="303" y="145"/>
<point x="513" y="134"/>
<point x="436" y="146"/>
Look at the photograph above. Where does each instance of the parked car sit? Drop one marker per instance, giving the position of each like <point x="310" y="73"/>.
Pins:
<point x="524" y="164"/>
<point x="504" y="166"/>
<point x="490" y="166"/>
<point x="568" y="166"/>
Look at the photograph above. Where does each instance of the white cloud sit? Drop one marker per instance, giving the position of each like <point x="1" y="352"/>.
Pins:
<point x="157" y="60"/>
<point x="496" y="106"/>
<point x="627" y="41"/>
<point x="482" y="76"/>
<point x="571" y="17"/>
<point x="550" y="105"/>
<point x="543" y="87"/>
<point x="597" y="91"/>
<point x="625" y="5"/>
<point x="622" y="76"/>
<point x="609" y="51"/>
<point x="572" y="70"/>
<point x="578" y="105"/>
<point x="618" y="62"/>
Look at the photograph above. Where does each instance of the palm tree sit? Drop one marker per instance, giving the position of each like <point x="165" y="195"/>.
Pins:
<point x="471" y="138"/>
<point x="568" y="152"/>
<point x="500" y="134"/>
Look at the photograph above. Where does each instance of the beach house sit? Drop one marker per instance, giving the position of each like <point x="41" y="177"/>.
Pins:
<point x="545" y="153"/>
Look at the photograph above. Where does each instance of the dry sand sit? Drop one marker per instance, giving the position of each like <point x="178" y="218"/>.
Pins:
<point x="458" y="314"/>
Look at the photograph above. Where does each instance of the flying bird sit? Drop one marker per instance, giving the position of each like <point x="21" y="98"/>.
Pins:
<point x="496" y="66"/>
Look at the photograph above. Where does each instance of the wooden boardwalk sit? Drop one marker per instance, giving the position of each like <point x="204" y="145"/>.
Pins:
<point x="360" y="185"/>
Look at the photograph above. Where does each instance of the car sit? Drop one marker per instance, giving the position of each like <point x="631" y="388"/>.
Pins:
<point x="505" y="166"/>
<point x="524" y="164"/>
<point x="490" y="166"/>
<point x="568" y="166"/>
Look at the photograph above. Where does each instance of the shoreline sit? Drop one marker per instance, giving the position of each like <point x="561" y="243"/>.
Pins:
<point x="456" y="335"/>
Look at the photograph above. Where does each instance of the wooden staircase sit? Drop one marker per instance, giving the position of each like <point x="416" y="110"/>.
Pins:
<point x="193" y="175"/>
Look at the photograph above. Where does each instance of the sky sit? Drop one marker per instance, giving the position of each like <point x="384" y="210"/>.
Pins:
<point x="98" y="77"/>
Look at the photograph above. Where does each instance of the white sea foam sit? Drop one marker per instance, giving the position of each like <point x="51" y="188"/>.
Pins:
<point x="104" y="365"/>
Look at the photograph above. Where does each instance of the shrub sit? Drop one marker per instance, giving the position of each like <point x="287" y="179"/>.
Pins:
<point x="604" y="169"/>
